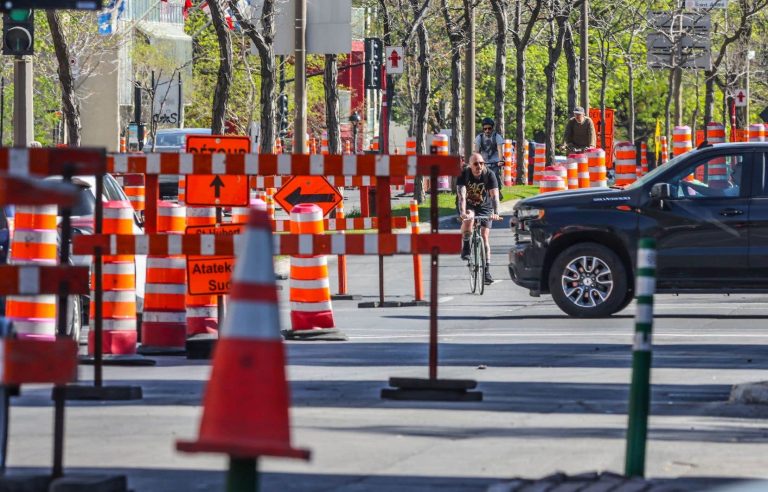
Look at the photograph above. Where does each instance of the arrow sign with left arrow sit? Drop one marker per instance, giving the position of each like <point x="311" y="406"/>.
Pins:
<point x="308" y="189"/>
<point x="209" y="190"/>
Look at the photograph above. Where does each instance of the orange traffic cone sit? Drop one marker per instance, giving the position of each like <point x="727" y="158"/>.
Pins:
<point x="245" y="410"/>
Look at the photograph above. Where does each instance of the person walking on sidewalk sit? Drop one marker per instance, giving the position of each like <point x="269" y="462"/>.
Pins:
<point x="490" y="145"/>
<point x="478" y="194"/>
<point x="579" y="132"/>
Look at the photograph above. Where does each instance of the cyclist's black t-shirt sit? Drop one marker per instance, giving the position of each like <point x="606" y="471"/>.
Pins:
<point x="478" y="188"/>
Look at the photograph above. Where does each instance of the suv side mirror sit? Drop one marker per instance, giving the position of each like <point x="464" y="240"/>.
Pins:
<point x="660" y="191"/>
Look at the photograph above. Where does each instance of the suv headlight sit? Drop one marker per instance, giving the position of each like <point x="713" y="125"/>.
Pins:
<point x="530" y="213"/>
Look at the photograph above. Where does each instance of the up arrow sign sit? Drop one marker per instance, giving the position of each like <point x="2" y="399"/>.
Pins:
<point x="217" y="184"/>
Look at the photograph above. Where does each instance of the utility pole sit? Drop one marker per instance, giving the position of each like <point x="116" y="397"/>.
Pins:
<point x="23" y="121"/>
<point x="469" y="83"/>
<point x="750" y="57"/>
<point x="583" y="68"/>
<point x="300" y="86"/>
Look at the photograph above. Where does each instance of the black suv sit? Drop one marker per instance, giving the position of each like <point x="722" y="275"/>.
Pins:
<point x="707" y="209"/>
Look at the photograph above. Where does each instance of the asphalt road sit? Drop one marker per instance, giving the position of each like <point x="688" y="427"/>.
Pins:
<point x="555" y="394"/>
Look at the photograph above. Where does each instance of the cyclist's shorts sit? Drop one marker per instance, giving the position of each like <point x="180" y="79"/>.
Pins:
<point x="485" y="212"/>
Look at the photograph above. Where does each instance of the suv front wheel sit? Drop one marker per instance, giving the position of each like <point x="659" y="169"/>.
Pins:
<point x="588" y="280"/>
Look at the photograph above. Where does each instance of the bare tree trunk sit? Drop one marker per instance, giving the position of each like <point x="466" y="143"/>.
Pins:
<point x="668" y="105"/>
<point x="224" y="77"/>
<point x="422" y="104"/>
<point x="500" y="8"/>
<point x="70" y="106"/>
<point x="264" y="45"/>
<point x="677" y="95"/>
<point x="709" y="99"/>
<point x="603" y="88"/>
<point x="572" y="62"/>
<point x="456" y="37"/>
<point x="330" y="78"/>
<point x="555" y="48"/>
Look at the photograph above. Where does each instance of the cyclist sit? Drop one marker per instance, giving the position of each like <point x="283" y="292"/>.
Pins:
<point x="478" y="194"/>
<point x="490" y="145"/>
<point x="579" y="132"/>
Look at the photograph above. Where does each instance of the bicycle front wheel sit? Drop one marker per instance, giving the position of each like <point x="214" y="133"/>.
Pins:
<point x="481" y="264"/>
<point x="473" y="265"/>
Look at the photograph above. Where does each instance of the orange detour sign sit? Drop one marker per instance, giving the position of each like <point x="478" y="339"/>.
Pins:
<point x="215" y="189"/>
<point x="308" y="189"/>
<point x="209" y="275"/>
<point x="218" y="144"/>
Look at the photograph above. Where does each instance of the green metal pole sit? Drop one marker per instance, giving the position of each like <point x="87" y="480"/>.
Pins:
<point x="640" y="392"/>
<point x="243" y="475"/>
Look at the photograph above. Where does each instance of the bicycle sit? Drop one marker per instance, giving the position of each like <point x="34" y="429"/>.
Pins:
<point x="477" y="256"/>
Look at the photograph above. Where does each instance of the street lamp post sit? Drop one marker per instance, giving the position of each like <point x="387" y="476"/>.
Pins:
<point x="354" y="118"/>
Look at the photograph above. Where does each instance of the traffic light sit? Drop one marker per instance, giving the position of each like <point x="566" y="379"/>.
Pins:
<point x="282" y="115"/>
<point x="19" y="32"/>
<point x="374" y="58"/>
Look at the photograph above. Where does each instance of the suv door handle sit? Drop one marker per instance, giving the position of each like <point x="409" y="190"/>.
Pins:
<point x="730" y="212"/>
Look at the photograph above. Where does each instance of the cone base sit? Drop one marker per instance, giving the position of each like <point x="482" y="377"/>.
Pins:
<point x="202" y="326"/>
<point x="318" y="334"/>
<point x="162" y="335"/>
<point x="306" y="320"/>
<point x="118" y="360"/>
<point x="242" y="450"/>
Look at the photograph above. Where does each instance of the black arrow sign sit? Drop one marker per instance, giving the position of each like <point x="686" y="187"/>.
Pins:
<point x="218" y="184"/>
<point x="295" y="197"/>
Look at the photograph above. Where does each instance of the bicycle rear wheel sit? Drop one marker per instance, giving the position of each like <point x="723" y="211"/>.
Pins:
<point x="482" y="263"/>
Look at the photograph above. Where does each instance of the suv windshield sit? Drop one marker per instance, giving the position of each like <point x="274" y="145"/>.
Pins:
<point x="170" y="139"/>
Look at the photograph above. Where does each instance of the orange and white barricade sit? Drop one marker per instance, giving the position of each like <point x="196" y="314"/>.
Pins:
<point x="643" y="169"/>
<point x="324" y="144"/>
<point x="310" y="290"/>
<point x="119" y="335"/>
<point x="201" y="310"/>
<point x="441" y="145"/>
<point x="717" y="167"/>
<point x="572" y="166"/>
<point x="182" y="190"/>
<point x="347" y="147"/>
<point x="582" y="168"/>
<point x="418" y="291"/>
<point x="133" y="185"/>
<point x="164" y="323"/>
<point x="681" y="140"/>
<point x="664" y="154"/>
<point x="626" y="163"/>
<point x="35" y="242"/>
<point x="539" y="162"/>
<point x="549" y="183"/>
<point x="410" y="149"/>
<point x="598" y="173"/>
<point x="756" y="132"/>
<point x="250" y="418"/>
<point x="509" y="158"/>
<point x="240" y="214"/>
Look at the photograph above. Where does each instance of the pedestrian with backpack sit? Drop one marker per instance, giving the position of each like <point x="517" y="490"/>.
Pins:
<point x="490" y="145"/>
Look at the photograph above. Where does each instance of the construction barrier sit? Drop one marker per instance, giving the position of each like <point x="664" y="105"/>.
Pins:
<point x="310" y="290"/>
<point x="664" y="154"/>
<point x="418" y="292"/>
<point x="35" y="242"/>
<point x="717" y="168"/>
<point x="573" y="172"/>
<point x="626" y="163"/>
<point x="549" y="183"/>
<point x="410" y="149"/>
<point x="133" y="185"/>
<point x="756" y="132"/>
<point x="509" y="153"/>
<point x="539" y="162"/>
<point x="119" y="287"/>
<point x="441" y="145"/>
<point x="681" y="140"/>
<point x="643" y="169"/>
<point x="164" y="324"/>
<point x="248" y="419"/>
<point x="324" y="144"/>
<point x="582" y="168"/>
<point x="598" y="174"/>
